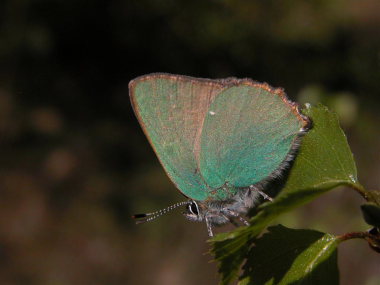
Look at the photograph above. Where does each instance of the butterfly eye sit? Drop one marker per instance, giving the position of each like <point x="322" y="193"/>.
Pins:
<point x="193" y="207"/>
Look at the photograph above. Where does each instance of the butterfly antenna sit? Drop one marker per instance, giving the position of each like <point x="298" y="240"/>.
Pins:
<point x="147" y="217"/>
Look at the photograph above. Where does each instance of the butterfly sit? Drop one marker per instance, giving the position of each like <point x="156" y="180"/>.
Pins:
<point x="220" y="141"/>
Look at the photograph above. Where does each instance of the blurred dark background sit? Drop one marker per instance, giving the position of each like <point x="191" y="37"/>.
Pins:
<point x="74" y="164"/>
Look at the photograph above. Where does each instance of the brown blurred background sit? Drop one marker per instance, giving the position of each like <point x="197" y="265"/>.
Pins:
<point x="74" y="164"/>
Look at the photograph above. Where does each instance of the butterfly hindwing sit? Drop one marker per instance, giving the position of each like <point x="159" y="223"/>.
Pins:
<point x="248" y="132"/>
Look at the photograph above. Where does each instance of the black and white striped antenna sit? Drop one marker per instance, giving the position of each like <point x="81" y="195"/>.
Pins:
<point x="147" y="217"/>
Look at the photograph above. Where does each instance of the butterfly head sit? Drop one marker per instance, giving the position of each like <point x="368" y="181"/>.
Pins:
<point x="210" y="212"/>
<point x="193" y="212"/>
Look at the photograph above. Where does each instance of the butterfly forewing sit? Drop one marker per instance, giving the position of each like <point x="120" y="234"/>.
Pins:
<point x="171" y="110"/>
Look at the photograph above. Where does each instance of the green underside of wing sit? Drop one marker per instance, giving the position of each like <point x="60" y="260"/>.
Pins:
<point x="164" y="107"/>
<point x="247" y="134"/>
<point x="206" y="135"/>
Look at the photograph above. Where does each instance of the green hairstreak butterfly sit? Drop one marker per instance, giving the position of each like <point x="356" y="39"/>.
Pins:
<point x="220" y="141"/>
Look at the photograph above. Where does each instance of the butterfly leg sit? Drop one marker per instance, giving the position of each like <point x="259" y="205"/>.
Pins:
<point x="235" y="215"/>
<point x="244" y="221"/>
<point x="261" y="193"/>
<point x="209" y="228"/>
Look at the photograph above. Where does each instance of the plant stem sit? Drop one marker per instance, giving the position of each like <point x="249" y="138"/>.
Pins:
<point x="360" y="189"/>
<point x="372" y="237"/>
<point x="352" y="235"/>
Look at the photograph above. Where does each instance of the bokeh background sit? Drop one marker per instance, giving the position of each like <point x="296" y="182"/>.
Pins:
<point x="74" y="163"/>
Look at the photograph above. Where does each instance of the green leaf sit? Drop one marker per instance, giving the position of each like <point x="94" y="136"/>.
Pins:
<point x="371" y="213"/>
<point x="324" y="162"/>
<point x="288" y="256"/>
